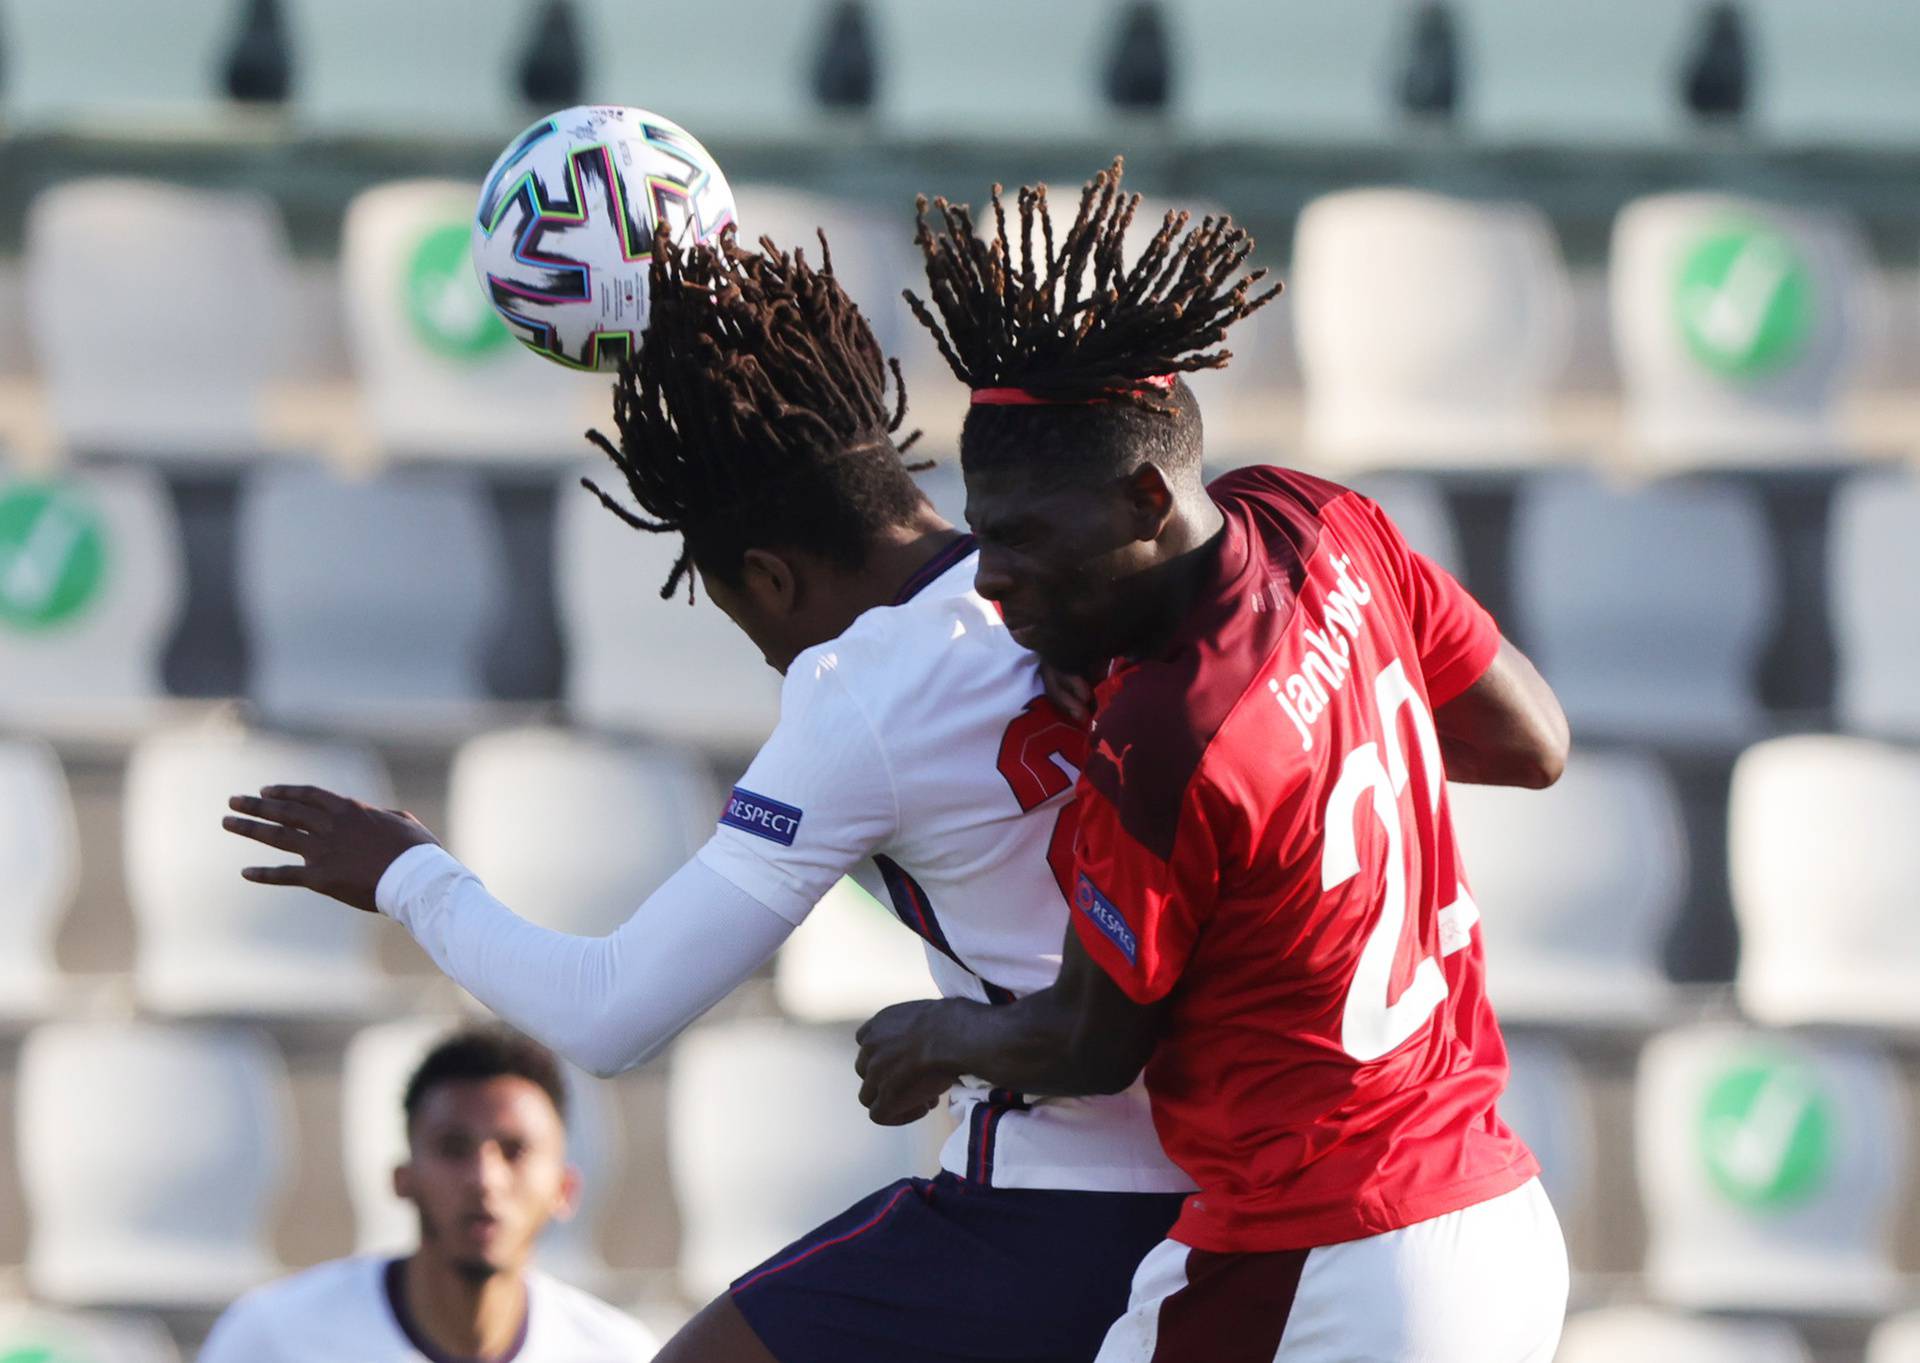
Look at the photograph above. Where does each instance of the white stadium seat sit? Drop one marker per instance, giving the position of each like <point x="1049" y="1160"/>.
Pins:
<point x="850" y="959"/>
<point x="1547" y="1108"/>
<point x="37" y="1334"/>
<point x="1896" y="1340"/>
<point x="1429" y="329"/>
<point x="39" y="874"/>
<point x="90" y="591"/>
<point x="374" y="1073"/>
<point x="1013" y="71"/>
<point x="150" y="1157"/>
<point x="766" y="1139"/>
<point x="1772" y="1170"/>
<point x="1646" y="607"/>
<point x="572" y="831"/>
<point x="114" y="64"/>
<point x="648" y="52"/>
<point x="199" y="282"/>
<point x="209" y="942"/>
<point x="1739" y="326"/>
<point x="1873" y="549"/>
<point x="1837" y="73"/>
<point x="1824" y="866"/>
<point x="636" y="662"/>
<point x="1289" y="71"/>
<point x="1578" y="887"/>
<point x="438" y="68"/>
<point x="1577" y="75"/>
<point x="443" y="377"/>
<point x="368" y="603"/>
<point x="1638" y="1334"/>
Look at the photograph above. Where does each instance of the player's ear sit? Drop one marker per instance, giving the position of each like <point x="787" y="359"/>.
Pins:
<point x="1150" y="501"/>
<point x="403" y="1182"/>
<point x="770" y="580"/>
<point x="568" y="1202"/>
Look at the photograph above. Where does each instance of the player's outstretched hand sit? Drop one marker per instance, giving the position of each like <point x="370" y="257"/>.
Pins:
<point x="346" y="846"/>
<point x="901" y="1080"/>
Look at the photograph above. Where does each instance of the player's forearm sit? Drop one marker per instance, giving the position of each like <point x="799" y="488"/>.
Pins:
<point x="605" y="1003"/>
<point x="1034" y="1045"/>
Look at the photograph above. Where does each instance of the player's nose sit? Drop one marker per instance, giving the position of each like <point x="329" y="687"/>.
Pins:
<point x="991" y="577"/>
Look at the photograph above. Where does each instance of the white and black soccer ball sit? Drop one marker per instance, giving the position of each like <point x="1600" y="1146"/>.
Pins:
<point x="564" y="232"/>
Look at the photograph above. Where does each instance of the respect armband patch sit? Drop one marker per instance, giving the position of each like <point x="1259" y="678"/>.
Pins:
<point x="1088" y="899"/>
<point x="763" y="818"/>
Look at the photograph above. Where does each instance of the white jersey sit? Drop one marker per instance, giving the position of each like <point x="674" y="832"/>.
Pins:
<point x="349" y="1311"/>
<point x="917" y="750"/>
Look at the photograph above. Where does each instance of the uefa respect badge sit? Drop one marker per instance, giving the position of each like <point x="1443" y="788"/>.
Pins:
<point x="53" y="555"/>
<point x="1744" y="300"/>
<point x="443" y="300"/>
<point x="1767" y="1132"/>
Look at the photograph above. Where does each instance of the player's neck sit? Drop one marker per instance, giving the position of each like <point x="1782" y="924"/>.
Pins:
<point x="459" y="1316"/>
<point x="896" y="559"/>
<point x="1166" y="590"/>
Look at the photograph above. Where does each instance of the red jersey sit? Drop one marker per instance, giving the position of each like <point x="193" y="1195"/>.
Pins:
<point x="1264" y="839"/>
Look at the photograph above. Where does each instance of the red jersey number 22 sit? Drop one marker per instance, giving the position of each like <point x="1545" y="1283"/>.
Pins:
<point x="1037" y="741"/>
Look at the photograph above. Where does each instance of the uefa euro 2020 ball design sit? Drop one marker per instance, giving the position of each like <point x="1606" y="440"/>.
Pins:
<point x="566" y="223"/>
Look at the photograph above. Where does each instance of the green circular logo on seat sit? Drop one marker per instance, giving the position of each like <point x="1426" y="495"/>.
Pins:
<point x="450" y="314"/>
<point x="1745" y="301"/>
<point x="1767" y="1133"/>
<point x="53" y="555"/>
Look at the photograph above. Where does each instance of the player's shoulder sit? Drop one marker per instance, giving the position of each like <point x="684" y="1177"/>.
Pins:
<point x="322" y="1292"/>
<point x="1277" y="490"/>
<point x="583" y="1321"/>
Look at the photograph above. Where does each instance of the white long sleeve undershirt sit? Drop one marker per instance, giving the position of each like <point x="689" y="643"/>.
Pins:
<point x="605" y="1003"/>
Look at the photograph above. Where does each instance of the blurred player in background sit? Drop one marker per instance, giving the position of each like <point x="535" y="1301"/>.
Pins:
<point x="1269" y="899"/>
<point x="486" y="1170"/>
<point x="914" y="747"/>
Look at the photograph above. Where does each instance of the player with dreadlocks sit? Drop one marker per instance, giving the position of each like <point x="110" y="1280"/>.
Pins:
<point x="913" y="750"/>
<point x="1269" y="907"/>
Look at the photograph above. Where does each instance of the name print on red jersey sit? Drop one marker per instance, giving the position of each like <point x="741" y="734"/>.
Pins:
<point x="1304" y="694"/>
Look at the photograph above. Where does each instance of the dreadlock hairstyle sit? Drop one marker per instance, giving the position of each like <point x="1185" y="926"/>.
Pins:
<point x="755" y="414"/>
<point x="1074" y="355"/>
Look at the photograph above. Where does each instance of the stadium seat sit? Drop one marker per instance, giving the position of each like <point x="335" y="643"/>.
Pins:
<point x="439" y="68"/>
<point x="1429" y="329"/>
<point x="375" y="1069"/>
<point x="150" y="1157"/>
<point x="442" y="376"/>
<point x="36" y="1334"/>
<point x="369" y="603"/>
<point x="1773" y="1168"/>
<point x="1577" y="75"/>
<point x="39" y="875"/>
<point x="1286" y="71"/>
<point x="1824" y="863"/>
<point x="1014" y="71"/>
<point x="1547" y="1108"/>
<point x="1739" y="326"/>
<point x="1578" y="886"/>
<point x="1646" y="607"/>
<point x="636" y="662"/>
<point x="209" y="942"/>
<point x="1639" y="1334"/>
<point x="112" y="65"/>
<point x="194" y="284"/>
<point x="571" y="830"/>
<point x="1873" y="549"/>
<point x="850" y="959"/>
<point x="1836" y="75"/>
<point x="1418" y="508"/>
<point x="764" y="93"/>
<point x="766" y="1139"/>
<point x="1896" y="1340"/>
<point x="92" y="582"/>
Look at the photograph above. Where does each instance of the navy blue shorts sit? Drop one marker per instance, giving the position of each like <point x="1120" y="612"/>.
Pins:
<point x="946" y="1271"/>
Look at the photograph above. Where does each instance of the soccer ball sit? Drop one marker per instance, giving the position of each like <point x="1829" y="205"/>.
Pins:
<point x="564" y="232"/>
